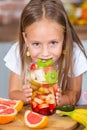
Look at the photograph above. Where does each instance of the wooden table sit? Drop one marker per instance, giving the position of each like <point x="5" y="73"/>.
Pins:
<point x="55" y="122"/>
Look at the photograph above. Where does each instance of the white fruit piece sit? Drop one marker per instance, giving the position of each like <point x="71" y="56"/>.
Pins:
<point x="50" y="99"/>
<point x="37" y="100"/>
<point x="40" y="75"/>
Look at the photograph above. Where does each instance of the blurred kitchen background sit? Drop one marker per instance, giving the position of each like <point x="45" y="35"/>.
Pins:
<point x="10" y="11"/>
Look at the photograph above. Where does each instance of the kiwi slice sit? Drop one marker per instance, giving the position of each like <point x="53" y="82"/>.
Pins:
<point x="44" y="63"/>
<point x="51" y="76"/>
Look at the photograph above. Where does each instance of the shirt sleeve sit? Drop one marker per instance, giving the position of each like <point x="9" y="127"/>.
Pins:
<point x="12" y="59"/>
<point x="80" y="62"/>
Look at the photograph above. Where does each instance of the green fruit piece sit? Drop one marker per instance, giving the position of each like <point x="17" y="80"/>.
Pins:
<point x="66" y="108"/>
<point x="51" y="76"/>
<point x="44" y="63"/>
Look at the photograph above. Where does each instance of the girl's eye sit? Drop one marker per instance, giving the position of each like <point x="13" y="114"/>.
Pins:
<point x="36" y="44"/>
<point x="54" y="43"/>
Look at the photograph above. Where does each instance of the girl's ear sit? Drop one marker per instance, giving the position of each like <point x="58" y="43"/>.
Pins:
<point x="25" y="38"/>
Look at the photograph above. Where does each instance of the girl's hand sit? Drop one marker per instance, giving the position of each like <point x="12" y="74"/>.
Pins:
<point x="58" y="96"/>
<point x="27" y="93"/>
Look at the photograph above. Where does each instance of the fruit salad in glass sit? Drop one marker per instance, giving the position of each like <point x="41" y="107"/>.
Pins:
<point x="43" y="77"/>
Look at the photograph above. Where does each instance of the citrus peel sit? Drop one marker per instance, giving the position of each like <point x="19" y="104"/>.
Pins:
<point x="35" y="120"/>
<point x="7" y="114"/>
<point x="17" y="104"/>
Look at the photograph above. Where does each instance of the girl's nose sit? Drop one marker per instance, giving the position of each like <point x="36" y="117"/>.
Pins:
<point x="45" y="51"/>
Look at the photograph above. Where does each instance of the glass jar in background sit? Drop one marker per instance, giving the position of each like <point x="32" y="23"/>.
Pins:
<point x="43" y="77"/>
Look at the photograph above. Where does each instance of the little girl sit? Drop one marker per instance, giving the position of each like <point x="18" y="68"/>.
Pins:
<point x="46" y="33"/>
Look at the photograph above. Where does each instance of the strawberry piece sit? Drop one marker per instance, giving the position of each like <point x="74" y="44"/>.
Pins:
<point x="33" y="66"/>
<point x="44" y="111"/>
<point x="48" y="68"/>
<point x="36" y="109"/>
<point x="52" y="106"/>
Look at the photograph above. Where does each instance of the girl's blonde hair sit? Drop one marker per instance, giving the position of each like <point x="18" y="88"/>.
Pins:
<point x="53" y="10"/>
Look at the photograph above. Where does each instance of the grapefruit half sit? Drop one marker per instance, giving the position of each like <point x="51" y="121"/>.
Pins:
<point x="7" y="114"/>
<point x="17" y="104"/>
<point x="35" y="120"/>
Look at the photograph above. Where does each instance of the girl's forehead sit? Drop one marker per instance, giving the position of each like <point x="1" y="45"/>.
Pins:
<point x="46" y="24"/>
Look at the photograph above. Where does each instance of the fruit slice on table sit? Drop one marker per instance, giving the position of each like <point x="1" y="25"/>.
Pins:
<point x="17" y="104"/>
<point x="7" y="114"/>
<point x="35" y="120"/>
<point x="51" y="76"/>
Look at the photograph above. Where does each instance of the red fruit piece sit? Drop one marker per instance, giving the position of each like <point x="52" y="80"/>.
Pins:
<point x="44" y="111"/>
<point x="52" y="106"/>
<point x="35" y="109"/>
<point x="33" y="66"/>
<point x="48" y="68"/>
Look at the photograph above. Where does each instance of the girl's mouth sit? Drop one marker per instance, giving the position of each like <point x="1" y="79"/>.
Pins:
<point x="45" y="59"/>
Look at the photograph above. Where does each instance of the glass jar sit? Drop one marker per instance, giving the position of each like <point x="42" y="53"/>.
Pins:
<point x="43" y="79"/>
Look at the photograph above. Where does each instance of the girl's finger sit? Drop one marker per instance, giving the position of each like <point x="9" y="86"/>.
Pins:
<point x="58" y="95"/>
<point x="28" y="99"/>
<point x="59" y="90"/>
<point x="26" y="86"/>
<point x="27" y="91"/>
<point x="28" y="94"/>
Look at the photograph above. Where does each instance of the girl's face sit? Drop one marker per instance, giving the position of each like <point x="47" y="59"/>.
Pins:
<point x="44" y="40"/>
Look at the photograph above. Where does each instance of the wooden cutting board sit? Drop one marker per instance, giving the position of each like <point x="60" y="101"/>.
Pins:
<point x="55" y="123"/>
